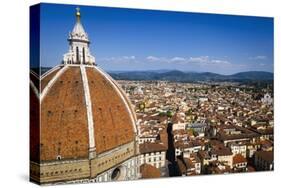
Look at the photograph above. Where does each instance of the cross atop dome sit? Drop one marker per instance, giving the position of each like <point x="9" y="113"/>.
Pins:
<point x="79" y="51"/>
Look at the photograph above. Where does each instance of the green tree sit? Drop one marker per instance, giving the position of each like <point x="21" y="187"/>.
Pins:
<point x="169" y="113"/>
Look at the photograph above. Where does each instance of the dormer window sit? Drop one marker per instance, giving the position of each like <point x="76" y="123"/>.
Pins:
<point x="59" y="157"/>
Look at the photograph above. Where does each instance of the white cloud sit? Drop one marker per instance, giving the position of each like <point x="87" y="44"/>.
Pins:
<point x="152" y="58"/>
<point x="201" y="60"/>
<point x="118" y="59"/>
<point x="129" y="57"/>
<point x="158" y="59"/>
<point x="217" y="61"/>
<point x="259" y="57"/>
<point x="195" y="61"/>
<point x="174" y="59"/>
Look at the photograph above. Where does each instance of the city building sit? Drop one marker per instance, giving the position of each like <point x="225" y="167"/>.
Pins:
<point x="153" y="154"/>
<point x="267" y="99"/>
<point x="221" y="153"/>
<point x="238" y="148"/>
<point x="216" y="167"/>
<point x="239" y="163"/>
<point x="264" y="160"/>
<point x="190" y="165"/>
<point x="149" y="171"/>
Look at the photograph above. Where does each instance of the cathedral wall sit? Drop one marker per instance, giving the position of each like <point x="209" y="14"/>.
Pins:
<point x="129" y="171"/>
<point x="60" y="171"/>
<point x="112" y="158"/>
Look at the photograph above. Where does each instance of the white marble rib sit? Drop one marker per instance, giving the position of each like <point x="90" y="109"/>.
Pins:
<point x="120" y="94"/>
<point x="89" y="107"/>
<point x="51" y="82"/>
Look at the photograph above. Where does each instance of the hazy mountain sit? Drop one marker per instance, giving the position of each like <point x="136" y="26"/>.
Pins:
<point x="180" y="76"/>
<point x="253" y="75"/>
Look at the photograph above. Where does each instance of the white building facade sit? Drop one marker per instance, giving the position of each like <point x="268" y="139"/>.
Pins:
<point x="156" y="159"/>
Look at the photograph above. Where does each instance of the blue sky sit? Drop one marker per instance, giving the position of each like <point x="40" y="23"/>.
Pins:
<point x="132" y="39"/>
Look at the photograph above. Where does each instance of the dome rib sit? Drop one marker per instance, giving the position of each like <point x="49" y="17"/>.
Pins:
<point x="125" y="96"/>
<point x="112" y="120"/>
<point x="46" y="79"/>
<point x="121" y="95"/>
<point x="34" y="78"/>
<point x="50" y="71"/>
<point x="89" y="109"/>
<point x="34" y="89"/>
<point x="51" y="82"/>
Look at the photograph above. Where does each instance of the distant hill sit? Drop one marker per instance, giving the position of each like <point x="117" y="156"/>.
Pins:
<point x="253" y="75"/>
<point x="180" y="76"/>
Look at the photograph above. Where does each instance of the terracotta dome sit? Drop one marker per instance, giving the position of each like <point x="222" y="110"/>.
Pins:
<point x="82" y="125"/>
<point x="82" y="107"/>
<point x="34" y="116"/>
